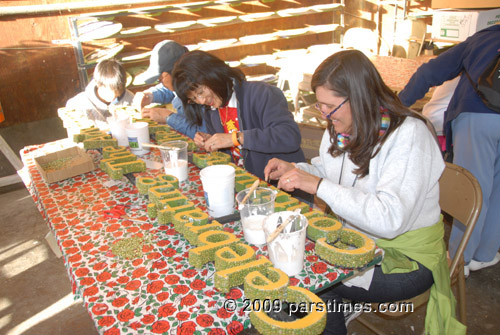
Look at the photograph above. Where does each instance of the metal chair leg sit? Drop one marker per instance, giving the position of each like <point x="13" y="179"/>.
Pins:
<point x="462" y="313"/>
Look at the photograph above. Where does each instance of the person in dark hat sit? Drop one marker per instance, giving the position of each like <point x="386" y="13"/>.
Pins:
<point x="163" y="57"/>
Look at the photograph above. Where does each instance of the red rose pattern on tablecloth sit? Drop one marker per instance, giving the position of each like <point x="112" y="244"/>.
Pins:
<point x="162" y="296"/>
<point x="160" y="327"/>
<point x="319" y="267"/>
<point x="181" y="289"/>
<point x="234" y="327"/>
<point x="205" y="320"/>
<point x="166" y="310"/>
<point x="155" y="287"/>
<point x="172" y="279"/>
<point x="182" y="316"/>
<point x="198" y="284"/>
<point x="234" y="293"/>
<point x="119" y="302"/>
<point x="125" y="315"/>
<point x="159" y="292"/>
<point x="153" y="276"/>
<point x="106" y="321"/>
<point x="100" y="309"/>
<point x="147" y="319"/>
<point x="188" y="300"/>
<point x="187" y="328"/>
<point x="112" y="331"/>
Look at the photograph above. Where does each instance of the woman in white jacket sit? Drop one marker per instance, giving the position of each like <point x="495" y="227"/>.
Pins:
<point x="378" y="170"/>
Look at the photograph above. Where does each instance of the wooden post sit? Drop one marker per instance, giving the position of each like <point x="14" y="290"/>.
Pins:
<point x="11" y="156"/>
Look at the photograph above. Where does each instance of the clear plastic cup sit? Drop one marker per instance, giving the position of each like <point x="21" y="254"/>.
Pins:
<point x="259" y="205"/>
<point x="175" y="159"/>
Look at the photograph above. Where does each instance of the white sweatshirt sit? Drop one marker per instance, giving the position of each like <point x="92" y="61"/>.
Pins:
<point x="401" y="191"/>
<point x="95" y="109"/>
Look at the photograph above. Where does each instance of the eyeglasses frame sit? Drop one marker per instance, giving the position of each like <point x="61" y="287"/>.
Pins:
<point x="318" y="107"/>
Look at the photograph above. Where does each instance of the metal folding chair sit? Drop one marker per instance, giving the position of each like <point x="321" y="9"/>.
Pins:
<point x="460" y="197"/>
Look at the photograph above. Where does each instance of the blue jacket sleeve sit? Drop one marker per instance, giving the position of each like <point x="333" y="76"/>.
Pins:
<point x="446" y="66"/>
<point x="161" y="94"/>
<point x="179" y="122"/>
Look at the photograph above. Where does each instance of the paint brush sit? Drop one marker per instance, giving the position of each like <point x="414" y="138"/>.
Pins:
<point x="149" y="145"/>
<point x="280" y="228"/>
<point x="252" y="188"/>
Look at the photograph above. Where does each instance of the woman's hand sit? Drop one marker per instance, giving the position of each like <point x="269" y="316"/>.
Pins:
<point x="275" y="168"/>
<point x="200" y="139"/>
<point x="218" y="141"/>
<point x="299" y="179"/>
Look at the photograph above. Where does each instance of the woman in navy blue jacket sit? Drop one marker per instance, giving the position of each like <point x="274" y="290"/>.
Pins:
<point x="251" y="120"/>
<point x="472" y="134"/>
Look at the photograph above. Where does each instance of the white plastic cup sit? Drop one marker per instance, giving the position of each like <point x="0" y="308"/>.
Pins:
<point x="117" y="128"/>
<point x="175" y="160"/>
<point x="218" y="186"/>
<point x="258" y="206"/>
<point x="137" y="133"/>
<point x="287" y="250"/>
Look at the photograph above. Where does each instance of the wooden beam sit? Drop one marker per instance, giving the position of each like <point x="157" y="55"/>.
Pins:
<point x="9" y="180"/>
<point x="10" y="155"/>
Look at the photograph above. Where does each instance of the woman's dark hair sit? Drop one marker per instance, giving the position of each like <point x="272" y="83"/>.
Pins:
<point x="110" y="73"/>
<point x="351" y="74"/>
<point x="197" y="68"/>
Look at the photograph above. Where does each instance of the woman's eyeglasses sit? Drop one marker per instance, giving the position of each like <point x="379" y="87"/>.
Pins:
<point x="327" y="116"/>
<point x="199" y="95"/>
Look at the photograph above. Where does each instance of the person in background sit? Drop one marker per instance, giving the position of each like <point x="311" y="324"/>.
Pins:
<point x="472" y="132"/>
<point x="250" y="120"/>
<point x="105" y="90"/>
<point x="434" y="109"/>
<point x="163" y="57"/>
<point x="378" y="170"/>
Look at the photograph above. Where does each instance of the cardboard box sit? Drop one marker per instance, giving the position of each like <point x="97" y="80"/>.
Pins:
<point x="464" y="4"/>
<point x="63" y="164"/>
<point x="456" y="26"/>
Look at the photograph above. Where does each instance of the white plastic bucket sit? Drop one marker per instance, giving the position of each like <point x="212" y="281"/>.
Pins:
<point x="117" y="127"/>
<point x="218" y="186"/>
<point x="137" y="133"/>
